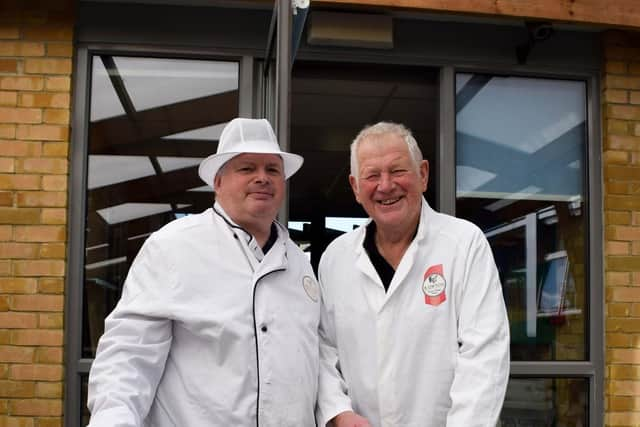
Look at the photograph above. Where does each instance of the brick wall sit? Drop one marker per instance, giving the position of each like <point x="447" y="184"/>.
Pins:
<point x="35" y="69"/>
<point x="621" y="157"/>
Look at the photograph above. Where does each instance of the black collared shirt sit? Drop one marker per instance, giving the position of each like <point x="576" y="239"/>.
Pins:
<point x="384" y="269"/>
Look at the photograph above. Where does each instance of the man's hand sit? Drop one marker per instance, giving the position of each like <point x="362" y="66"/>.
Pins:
<point x="350" y="419"/>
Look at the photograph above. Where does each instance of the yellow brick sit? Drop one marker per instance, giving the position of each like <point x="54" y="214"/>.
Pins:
<point x="634" y="68"/>
<point x="51" y="390"/>
<point x="6" y="164"/>
<point x="14" y="354"/>
<point x="622" y="233"/>
<point x="39" y="233"/>
<point x="17" y="48"/>
<point x="7" y="130"/>
<point x="59" y="84"/>
<point x="42" y="132"/>
<point x="21" y="83"/>
<point x="49" y="66"/>
<point x="49" y="355"/>
<point x="8" y="66"/>
<point x="48" y="337"/>
<point x="617" y="248"/>
<point x="13" y="250"/>
<point x="44" y="99"/>
<point x="619" y="127"/>
<point x="9" y="32"/>
<point x="50" y="285"/>
<point x="617" y="157"/>
<point x="634" y="97"/>
<point x="616" y="67"/>
<point x="18" y="215"/>
<point x="6" y="232"/>
<point x="5" y="270"/>
<point x="622" y="294"/>
<point x="42" y="165"/>
<point x="49" y="422"/>
<point x="53" y="216"/>
<point x="8" y="98"/>
<point x="617" y="278"/>
<point x="41" y="198"/>
<point x="54" y="182"/>
<point x="13" y="320"/>
<point x="616" y="96"/>
<point x="50" y="321"/>
<point x="616" y="82"/>
<point x="50" y="32"/>
<point x="624" y="263"/>
<point x="55" y="149"/>
<point x="15" y="285"/>
<point x="52" y="250"/>
<point x="6" y="198"/>
<point x="20" y="115"/>
<point x="622" y="203"/>
<point x="623" y="112"/>
<point x="34" y="268"/>
<point x="20" y="149"/>
<point x="19" y="182"/>
<point x="60" y="49"/>
<point x="622" y="143"/>
<point x="620" y="218"/>
<point x="16" y="389"/>
<point x="36" y="407"/>
<point x="36" y="372"/>
<point x="56" y="116"/>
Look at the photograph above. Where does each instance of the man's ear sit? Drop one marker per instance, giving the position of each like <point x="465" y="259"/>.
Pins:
<point x="354" y="186"/>
<point x="424" y="174"/>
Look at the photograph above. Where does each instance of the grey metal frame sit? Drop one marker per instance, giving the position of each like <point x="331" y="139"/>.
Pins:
<point x="76" y="366"/>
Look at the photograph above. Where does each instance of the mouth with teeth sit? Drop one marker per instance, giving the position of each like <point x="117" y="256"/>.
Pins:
<point x="388" y="202"/>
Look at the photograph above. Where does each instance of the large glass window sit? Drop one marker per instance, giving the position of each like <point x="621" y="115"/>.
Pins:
<point x="520" y="174"/>
<point x="151" y="122"/>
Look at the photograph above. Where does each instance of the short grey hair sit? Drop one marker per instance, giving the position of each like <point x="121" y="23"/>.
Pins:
<point x="383" y="128"/>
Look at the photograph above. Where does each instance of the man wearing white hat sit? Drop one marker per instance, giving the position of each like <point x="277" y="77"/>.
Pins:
<point x="217" y="325"/>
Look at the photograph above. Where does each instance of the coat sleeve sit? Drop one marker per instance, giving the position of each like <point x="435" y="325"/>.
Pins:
<point x="132" y="352"/>
<point x="482" y="369"/>
<point x="333" y="396"/>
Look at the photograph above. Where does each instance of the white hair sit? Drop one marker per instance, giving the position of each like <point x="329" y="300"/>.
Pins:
<point x="383" y="128"/>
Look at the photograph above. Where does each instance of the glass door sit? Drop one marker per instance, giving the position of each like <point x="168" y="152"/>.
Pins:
<point x="330" y="104"/>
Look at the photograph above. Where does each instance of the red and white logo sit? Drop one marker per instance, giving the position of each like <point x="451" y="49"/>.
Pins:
<point x="434" y="285"/>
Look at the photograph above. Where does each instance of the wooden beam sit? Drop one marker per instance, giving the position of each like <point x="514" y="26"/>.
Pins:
<point x="618" y="13"/>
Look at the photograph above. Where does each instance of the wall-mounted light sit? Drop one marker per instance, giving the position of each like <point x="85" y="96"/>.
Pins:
<point x="350" y="30"/>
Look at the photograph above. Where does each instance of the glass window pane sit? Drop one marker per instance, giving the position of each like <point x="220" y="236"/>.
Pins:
<point x="543" y="402"/>
<point x="331" y="103"/>
<point x="520" y="174"/>
<point x="152" y="121"/>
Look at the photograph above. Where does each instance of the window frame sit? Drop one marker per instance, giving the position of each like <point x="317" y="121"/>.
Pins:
<point x="75" y="365"/>
<point x="593" y="368"/>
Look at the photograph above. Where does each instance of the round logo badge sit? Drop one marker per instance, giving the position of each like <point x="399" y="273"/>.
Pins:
<point x="433" y="285"/>
<point x="311" y="288"/>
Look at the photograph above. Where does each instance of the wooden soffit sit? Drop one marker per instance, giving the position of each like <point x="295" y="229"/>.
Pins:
<point x="616" y="13"/>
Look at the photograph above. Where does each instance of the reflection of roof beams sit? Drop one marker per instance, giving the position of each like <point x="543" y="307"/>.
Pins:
<point x="153" y="187"/>
<point x="163" y="121"/>
<point x="163" y="147"/>
<point x="118" y="85"/>
<point x="471" y="89"/>
<point x="507" y="162"/>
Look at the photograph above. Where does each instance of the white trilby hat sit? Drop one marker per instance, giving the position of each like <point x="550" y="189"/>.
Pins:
<point x="241" y="136"/>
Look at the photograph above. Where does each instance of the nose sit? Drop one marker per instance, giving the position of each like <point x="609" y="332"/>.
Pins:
<point x="385" y="183"/>
<point x="262" y="176"/>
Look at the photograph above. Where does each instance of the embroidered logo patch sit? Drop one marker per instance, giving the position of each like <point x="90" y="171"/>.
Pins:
<point x="434" y="285"/>
<point x="311" y="288"/>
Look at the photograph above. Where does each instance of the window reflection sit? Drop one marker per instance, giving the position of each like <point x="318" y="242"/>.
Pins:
<point x="152" y="121"/>
<point x="544" y="402"/>
<point x="520" y="146"/>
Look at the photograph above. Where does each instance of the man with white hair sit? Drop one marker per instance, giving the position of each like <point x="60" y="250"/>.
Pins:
<point x="217" y="324"/>
<point x="415" y="330"/>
